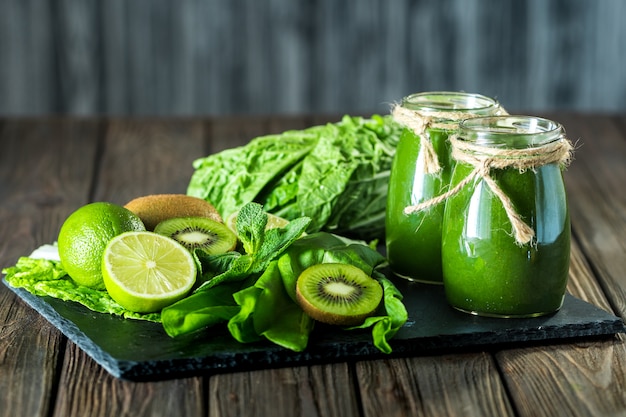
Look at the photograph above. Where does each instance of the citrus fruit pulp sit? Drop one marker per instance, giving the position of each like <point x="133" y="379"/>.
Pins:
<point x="84" y="235"/>
<point x="145" y="272"/>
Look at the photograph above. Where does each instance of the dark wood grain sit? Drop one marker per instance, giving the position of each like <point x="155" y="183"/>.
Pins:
<point x="324" y="391"/>
<point x="50" y="167"/>
<point x="307" y="391"/>
<point x="87" y="389"/>
<point x="136" y="158"/>
<point x="448" y="385"/>
<point x="586" y="378"/>
<point x="199" y="57"/>
<point x="595" y="185"/>
<point x="583" y="379"/>
<point x="38" y="189"/>
<point x="147" y="157"/>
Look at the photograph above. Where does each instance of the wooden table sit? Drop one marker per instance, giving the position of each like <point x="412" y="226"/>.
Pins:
<point x="51" y="166"/>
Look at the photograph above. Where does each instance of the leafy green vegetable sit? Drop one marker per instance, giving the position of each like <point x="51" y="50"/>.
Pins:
<point x="252" y="293"/>
<point x="257" y="297"/>
<point x="45" y="277"/>
<point x="201" y="309"/>
<point x="234" y="285"/>
<point x="327" y="248"/>
<point x="261" y="246"/>
<point x="335" y="174"/>
<point x="386" y="323"/>
<point x="235" y="176"/>
<point x="267" y="311"/>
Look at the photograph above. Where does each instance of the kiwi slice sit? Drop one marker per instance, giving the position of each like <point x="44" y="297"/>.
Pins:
<point x="339" y="294"/>
<point x="200" y="233"/>
<point x="155" y="208"/>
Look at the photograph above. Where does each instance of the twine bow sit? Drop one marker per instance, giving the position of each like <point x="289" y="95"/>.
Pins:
<point x="419" y="122"/>
<point x="484" y="159"/>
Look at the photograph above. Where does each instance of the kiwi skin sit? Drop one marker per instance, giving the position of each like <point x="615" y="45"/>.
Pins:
<point x="320" y="304"/>
<point x="155" y="208"/>
<point x="202" y="233"/>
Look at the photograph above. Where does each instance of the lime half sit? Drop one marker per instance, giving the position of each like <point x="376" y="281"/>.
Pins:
<point x="145" y="272"/>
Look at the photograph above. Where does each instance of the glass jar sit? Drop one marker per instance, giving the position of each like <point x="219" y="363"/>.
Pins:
<point x="421" y="170"/>
<point x="506" y="227"/>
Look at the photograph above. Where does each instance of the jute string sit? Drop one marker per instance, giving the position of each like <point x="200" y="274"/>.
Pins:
<point x="419" y="122"/>
<point x="484" y="159"/>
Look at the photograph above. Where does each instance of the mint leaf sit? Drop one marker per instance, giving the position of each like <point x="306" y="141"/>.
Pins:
<point x="251" y="223"/>
<point x="261" y="245"/>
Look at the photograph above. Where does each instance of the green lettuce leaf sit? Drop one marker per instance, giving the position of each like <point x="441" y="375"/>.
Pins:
<point x="201" y="310"/>
<point x="327" y="248"/>
<point x="336" y="174"/>
<point x="268" y="312"/>
<point x="390" y="317"/>
<point x="252" y="293"/>
<point x="46" y="277"/>
<point x="234" y="177"/>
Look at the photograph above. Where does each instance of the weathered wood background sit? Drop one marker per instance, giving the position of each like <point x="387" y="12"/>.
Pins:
<point x="193" y="57"/>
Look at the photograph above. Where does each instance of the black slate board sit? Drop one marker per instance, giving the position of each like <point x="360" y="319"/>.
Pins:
<point x="141" y="351"/>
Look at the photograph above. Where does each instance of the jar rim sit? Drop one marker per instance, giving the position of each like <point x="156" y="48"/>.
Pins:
<point x="510" y="131"/>
<point x="438" y="101"/>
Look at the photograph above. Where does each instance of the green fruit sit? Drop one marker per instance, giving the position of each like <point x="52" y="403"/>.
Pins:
<point x="85" y="234"/>
<point x="199" y="233"/>
<point x="339" y="294"/>
<point x="155" y="208"/>
<point x="145" y="272"/>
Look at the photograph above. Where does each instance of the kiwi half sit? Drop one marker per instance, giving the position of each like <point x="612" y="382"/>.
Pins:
<point x="339" y="294"/>
<point x="201" y="233"/>
<point x="155" y="208"/>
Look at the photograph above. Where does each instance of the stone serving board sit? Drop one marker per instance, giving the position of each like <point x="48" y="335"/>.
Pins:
<point x="142" y="351"/>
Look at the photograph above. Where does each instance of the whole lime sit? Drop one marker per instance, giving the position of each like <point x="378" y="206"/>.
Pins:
<point x="85" y="234"/>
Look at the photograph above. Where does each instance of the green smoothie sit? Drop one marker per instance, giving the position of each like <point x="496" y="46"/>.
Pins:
<point x="486" y="272"/>
<point x="413" y="241"/>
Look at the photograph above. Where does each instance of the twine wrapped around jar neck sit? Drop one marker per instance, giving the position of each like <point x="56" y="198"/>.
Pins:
<point x="419" y="122"/>
<point x="484" y="159"/>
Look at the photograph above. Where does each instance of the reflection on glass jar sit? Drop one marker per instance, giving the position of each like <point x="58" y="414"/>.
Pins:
<point x="420" y="171"/>
<point x="506" y="228"/>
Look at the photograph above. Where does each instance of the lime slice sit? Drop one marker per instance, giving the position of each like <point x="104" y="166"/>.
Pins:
<point x="145" y="272"/>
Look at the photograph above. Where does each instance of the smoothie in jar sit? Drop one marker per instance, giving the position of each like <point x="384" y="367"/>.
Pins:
<point x="506" y="231"/>
<point x="421" y="170"/>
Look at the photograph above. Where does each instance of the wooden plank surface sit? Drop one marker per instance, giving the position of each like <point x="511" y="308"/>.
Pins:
<point x="465" y="384"/>
<point x="199" y="57"/>
<point x="324" y="391"/>
<point x="137" y="158"/>
<point x="595" y="184"/>
<point x="42" y="374"/>
<point x="34" y="202"/>
<point x="587" y="378"/>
